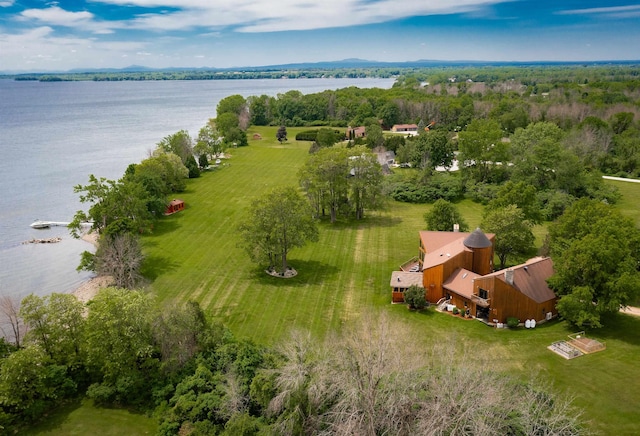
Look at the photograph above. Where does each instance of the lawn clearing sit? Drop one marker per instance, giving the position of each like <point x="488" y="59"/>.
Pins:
<point x="193" y="255"/>
<point x="82" y="418"/>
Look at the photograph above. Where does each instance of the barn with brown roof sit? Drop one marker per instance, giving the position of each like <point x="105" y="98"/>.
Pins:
<point x="457" y="268"/>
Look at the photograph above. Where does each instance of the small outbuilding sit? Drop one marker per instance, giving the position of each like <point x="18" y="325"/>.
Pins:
<point x="175" y="205"/>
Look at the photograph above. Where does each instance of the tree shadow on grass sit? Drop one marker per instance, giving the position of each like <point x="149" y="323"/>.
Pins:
<point x="308" y="271"/>
<point x="164" y="225"/>
<point x="367" y="221"/>
<point x="55" y="419"/>
<point x="155" y="266"/>
<point x="620" y="327"/>
<point x="73" y="416"/>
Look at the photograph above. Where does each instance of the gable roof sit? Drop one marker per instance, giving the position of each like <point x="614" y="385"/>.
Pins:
<point x="461" y="282"/>
<point x="530" y="278"/>
<point x="444" y="253"/>
<point x="439" y="246"/>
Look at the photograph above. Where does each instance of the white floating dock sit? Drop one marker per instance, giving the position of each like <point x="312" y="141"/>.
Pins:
<point x="41" y="224"/>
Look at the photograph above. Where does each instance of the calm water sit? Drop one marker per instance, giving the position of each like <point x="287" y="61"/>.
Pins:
<point x="53" y="135"/>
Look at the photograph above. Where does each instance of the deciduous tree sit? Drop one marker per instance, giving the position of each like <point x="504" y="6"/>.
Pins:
<point x="116" y="207"/>
<point x="482" y="151"/>
<point x="596" y="253"/>
<point x="120" y="345"/>
<point x="443" y="215"/>
<point x="512" y="230"/>
<point x="281" y="134"/>
<point x="119" y="256"/>
<point x="365" y="181"/>
<point x="56" y="324"/>
<point x="179" y="143"/>
<point x="209" y="142"/>
<point x="275" y="224"/>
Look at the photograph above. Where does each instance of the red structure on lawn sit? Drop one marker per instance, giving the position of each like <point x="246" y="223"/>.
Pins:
<point x="174" y="206"/>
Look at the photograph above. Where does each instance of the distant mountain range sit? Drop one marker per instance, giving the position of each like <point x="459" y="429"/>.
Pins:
<point x="328" y="65"/>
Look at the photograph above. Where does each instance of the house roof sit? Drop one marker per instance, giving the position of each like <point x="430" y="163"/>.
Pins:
<point x="444" y="253"/>
<point x="438" y="245"/>
<point x="477" y="239"/>
<point x="402" y="279"/>
<point x="530" y="278"/>
<point x="461" y="282"/>
<point x="405" y="126"/>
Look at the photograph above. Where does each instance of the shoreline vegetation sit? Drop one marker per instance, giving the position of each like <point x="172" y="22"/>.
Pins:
<point x="346" y="69"/>
<point x="88" y="289"/>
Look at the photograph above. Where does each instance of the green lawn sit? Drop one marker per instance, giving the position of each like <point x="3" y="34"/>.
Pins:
<point x="83" y="418"/>
<point x="630" y="202"/>
<point x="193" y="255"/>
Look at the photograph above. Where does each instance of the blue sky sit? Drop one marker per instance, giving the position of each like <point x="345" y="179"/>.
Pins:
<point x="61" y="35"/>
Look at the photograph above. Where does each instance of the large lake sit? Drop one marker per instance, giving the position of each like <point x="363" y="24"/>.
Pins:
<point x="53" y="135"/>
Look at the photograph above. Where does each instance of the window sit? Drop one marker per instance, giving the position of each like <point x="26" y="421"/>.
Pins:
<point x="483" y="293"/>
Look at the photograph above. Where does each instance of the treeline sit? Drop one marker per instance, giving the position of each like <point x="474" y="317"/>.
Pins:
<point x="338" y="73"/>
<point x="120" y="210"/>
<point x="196" y="378"/>
<point x="434" y="73"/>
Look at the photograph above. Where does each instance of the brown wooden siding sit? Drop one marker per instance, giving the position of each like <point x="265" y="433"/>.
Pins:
<point x="506" y="301"/>
<point x="397" y="296"/>
<point x="432" y="282"/>
<point x="483" y="260"/>
<point x="433" y="277"/>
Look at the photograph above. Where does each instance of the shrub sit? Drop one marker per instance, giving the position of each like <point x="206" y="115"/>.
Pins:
<point x="307" y="135"/>
<point x="414" y="297"/>
<point x="512" y="322"/>
<point x="455" y="311"/>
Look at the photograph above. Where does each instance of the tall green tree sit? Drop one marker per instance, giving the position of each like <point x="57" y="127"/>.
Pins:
<point x="179" y="143"/>
<point x="324" y="177"/>
<point x="596" y="253"/>
<point x="275" y="224"/>
<point x="513" y="232"/>
<point x="209" y="142"/>
<point x="374" y="134"/>
<point x="30" y="384"/>
<point x="365" y="181"/>
<point x="522" y="195"/>
<point x="443" y="215"/>
<point x="537" y="153"/>
<point x="326" y="137"/>
<point x="56" y="324"/>
<point x="116" y="207"/>
<point x="234" y="104"/>
<point x="482" y="151"/>
<point x="260" y="110"/>
<point x="432" y="149"/>
<point x="225" y="122"/>
<point x="120" y="350"/>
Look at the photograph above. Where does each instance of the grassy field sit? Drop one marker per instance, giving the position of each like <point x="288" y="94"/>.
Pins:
<point x="83" y="418"/>
<point x="193" y="255"/>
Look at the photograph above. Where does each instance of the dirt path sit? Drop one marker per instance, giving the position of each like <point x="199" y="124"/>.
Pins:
<point x="629" y="310"/>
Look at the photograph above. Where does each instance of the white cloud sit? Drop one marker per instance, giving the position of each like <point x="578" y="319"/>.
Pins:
<point x="629" y="11"/>
<point x="6" y="3"/>
<point x="57" y="16"/>
<point x="40" y="48"/>
<point x="283" y="15"/>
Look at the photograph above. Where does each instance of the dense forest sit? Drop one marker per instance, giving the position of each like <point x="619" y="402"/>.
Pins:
<point x="536" y="140"/>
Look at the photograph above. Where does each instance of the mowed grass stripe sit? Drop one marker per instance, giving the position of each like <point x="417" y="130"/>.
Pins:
<point x="194" y="255"/>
